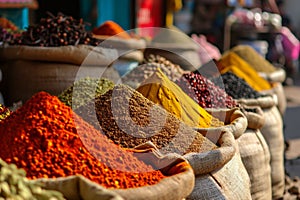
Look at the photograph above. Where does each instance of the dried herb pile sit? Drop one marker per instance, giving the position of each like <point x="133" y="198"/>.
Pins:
<point x="86" y="89"/>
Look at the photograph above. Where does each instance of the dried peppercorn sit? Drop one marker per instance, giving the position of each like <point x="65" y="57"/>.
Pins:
<point x="205" y="92"/>
<point x="236" y="87"/>
<point x="54" y="31"/>
<point x="47" y="139"/>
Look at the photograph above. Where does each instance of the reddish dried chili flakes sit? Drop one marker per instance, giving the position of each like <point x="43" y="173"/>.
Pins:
<point x="47" y="139"/>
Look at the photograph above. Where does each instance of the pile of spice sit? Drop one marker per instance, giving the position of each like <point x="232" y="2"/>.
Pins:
<point x="236" y="87"/>
<point x="111" y="28"/>
<point x="135" y="77"/>
<point x="162" y="91"/>
<point x="85" y="90"/>
<point x="253" y="58"/>
<point x="48" y="140"/>
<point x="205" y="92"/>
<point x="235" y="64"/>
<point x="4" y="112"/>
<point x="129" y="119"/>
<point x="54" y="31"/>
<point x="7" y="24"/>
<point x="15" y="185"/>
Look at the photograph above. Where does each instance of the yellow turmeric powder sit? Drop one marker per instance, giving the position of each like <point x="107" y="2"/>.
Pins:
<point x="159" y="89"/>
<point x="232" y="62"/>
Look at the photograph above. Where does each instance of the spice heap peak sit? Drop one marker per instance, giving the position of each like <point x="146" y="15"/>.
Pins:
<point x="47" y="139"/>
<point x="159" y="89"/>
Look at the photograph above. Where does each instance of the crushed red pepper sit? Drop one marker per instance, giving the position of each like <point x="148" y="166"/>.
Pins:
<point x="46" y="138"/>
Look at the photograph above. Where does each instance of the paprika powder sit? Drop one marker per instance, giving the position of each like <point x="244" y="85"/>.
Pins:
<point x="48" y="140"/>
<point x="111" y="28"/>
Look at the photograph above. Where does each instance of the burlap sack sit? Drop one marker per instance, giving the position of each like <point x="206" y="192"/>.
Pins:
<point x="277" y="76"/>
<point x="272" y="131"/>
<point x="27" y="69"/>
<point x="234" y="120"/>
<point x="178" y="184"/>
<point x="77" y="55"/>
<point x="255" y="154"/>
<point x="220" y="173"/>
<point x="175" y="46"/>
<point x="276" y="79"/>
<point x="278" y="90"/>
<point x="24" y="78"/>
<point x="130" y="51"/>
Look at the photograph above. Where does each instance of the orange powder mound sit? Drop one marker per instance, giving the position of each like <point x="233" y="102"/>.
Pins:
<point x="110" y="28"/>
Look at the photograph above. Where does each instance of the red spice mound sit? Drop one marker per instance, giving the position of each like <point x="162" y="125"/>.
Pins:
<point x="110" y="28"/>
<point x="43" y="138"/>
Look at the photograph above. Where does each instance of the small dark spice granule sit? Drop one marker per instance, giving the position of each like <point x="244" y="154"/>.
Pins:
<point x="237" y="87"/>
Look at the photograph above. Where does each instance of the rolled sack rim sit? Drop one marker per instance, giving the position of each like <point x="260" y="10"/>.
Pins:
<point x="256" y="119"/>
<point x="181" y="175"/>
<point x="214" y="159"/>
<point x="235" y="120"/>
<point x="80" y="54"/>
<point x="268" y="101"/>
<point x="118" y="42"/>
<point x="277" y="76"/>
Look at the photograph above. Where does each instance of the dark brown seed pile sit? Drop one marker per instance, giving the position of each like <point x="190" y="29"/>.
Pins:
<point x="205" y="92"/>
<point x="236" y="87"/>
<point x="129" y="119"/>
<point x="53" y="31"/>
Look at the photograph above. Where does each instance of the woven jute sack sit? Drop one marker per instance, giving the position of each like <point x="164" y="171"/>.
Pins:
<point x="178" y="184"/>
<point x="175" y="46"/>
<point x="255" y="154"/>
<point x="78" y="55"/>
<point x="272" y="131"/>
<point x="219" y="172"/>
<point x="27" y="70"/>
<point x="234" y="120"/>
<point x="276" y="79"/>
<point x="130" y="51"/>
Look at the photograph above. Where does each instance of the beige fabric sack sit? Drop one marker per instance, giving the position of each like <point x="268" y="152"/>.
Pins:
<point x="277" y="76"/>
<point x="255" y="154"/>
<point x="278" y="90"/>
<point x="28" y="69"/>
<point x="272" y="131"/>
<point x="276" y="79"/>
<point x="234" y="120"/>
<point x="177" y="185"/>
<point x="220" y="173"/>
<point x="77" y="55"/>
<point x="24" y="78"/>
